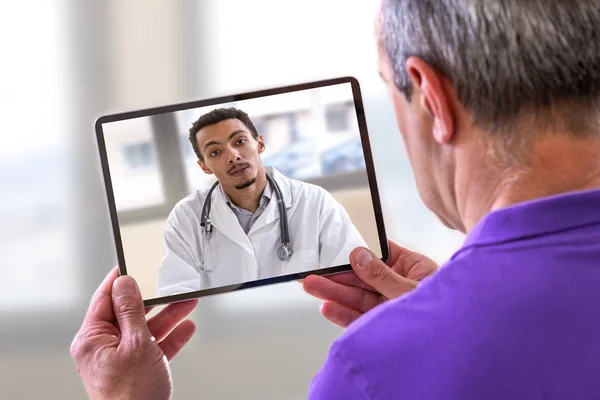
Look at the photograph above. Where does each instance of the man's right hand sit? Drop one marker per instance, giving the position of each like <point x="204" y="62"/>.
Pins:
<point x="348" y="295"/>
<point x="121" y="355"/>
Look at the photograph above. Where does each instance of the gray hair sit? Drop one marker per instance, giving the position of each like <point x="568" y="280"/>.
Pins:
<point x="504" y="58"/>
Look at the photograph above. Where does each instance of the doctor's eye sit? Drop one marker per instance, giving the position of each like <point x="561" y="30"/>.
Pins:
<point x="241" y="141"/>
<point x="214" y="153"/>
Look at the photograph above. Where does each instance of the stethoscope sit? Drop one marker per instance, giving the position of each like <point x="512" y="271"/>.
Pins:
<point x="284" y="251"/>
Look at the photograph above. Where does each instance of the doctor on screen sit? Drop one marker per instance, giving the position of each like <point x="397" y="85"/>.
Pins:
<point x="253" y="223"/>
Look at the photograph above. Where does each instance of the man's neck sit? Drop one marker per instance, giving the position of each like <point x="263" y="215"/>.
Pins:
<point x="555" y="164"/>
<point x="249" y="198"/>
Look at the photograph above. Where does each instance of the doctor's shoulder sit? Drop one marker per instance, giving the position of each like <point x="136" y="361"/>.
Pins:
<point x="189" y="208"/>
<point x="314" y="196"/>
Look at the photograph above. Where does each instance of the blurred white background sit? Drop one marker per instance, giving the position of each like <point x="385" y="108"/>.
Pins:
<point x="65" y="63"/>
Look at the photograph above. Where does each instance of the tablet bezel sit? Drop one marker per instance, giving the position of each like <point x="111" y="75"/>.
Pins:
<point x="375" y="198"/>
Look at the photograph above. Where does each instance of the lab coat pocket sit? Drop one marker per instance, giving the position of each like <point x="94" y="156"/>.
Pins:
<point x="301" y="261"/>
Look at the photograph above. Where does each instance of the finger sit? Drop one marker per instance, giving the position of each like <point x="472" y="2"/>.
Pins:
<point x="147" y="310"/>
<point x="128" y="307"/>
<point x="395" y="250"/>
<point x="100" y="308"/>
<point x="378" y="275"/>
<point x="167" y="319"/>
<point x="339" y="315"/>
<point x="347" y="296"/>
<point x="350" y="279"/>
<point x="402" y="257"/>
<point x="178" y="338"/>
<point x="409" y="263"/>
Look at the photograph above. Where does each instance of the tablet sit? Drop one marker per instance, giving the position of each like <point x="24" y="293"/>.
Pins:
<point x="241" y="191"/>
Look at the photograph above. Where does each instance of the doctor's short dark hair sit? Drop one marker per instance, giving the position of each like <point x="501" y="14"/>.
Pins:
<point x="504" y="58"/>
<point x="214" y="117"/>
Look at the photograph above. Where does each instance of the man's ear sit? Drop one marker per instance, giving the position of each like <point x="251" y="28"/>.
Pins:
<point x="204" y="167"/>
<point x="261" y="145"/>
<point x="433" y="97"/>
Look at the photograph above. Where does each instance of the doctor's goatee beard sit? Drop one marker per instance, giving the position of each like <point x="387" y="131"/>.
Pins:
<point x="245" y="184"/>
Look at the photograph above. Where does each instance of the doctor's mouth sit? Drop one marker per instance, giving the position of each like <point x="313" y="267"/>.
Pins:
<point x="239" y="169"/>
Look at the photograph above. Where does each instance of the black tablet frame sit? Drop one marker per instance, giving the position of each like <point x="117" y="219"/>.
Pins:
<point x="360" y="114"/>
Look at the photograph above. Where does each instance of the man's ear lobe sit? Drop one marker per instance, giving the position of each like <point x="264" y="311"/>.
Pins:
<point x="204" y="167"/>
<point x="261" y="144"/>
<point x="433" y="98"/>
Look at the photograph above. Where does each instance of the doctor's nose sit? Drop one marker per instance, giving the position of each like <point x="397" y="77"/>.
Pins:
<point x="234" y="157"/>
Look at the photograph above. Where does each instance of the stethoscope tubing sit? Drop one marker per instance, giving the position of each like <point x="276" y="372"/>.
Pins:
<point x="206" y="226"/>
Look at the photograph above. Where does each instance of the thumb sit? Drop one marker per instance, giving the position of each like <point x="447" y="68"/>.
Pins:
<point x="129" y="309"/>
<point x="375" y="273"/>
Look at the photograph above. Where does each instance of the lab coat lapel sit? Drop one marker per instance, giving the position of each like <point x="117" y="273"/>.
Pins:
<point x="284" y="185"/>
<point x="223" y="218"/>
<point x="271" y="213"/>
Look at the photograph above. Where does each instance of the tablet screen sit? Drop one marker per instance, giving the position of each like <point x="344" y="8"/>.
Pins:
<point x="241" y="191"/>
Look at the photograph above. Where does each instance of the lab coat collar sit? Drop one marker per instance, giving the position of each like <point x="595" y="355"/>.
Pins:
<point x="271" y="213"/>
<point x="284" y="185"/>
<point x="225" y="220"/>
<point x="264" y="199"/>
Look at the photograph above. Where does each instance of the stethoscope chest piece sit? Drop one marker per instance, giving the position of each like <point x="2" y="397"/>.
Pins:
<point x="284" y="252"/>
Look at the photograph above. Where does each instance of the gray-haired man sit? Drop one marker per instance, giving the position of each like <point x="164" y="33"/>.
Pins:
<point x="498" y="103"/>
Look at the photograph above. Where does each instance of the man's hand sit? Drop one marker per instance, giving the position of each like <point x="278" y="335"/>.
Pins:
<point x="348" y="295"/>
<point x="121" y="355"/>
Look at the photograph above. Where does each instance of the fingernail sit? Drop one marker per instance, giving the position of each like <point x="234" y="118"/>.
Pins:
<point x="124" y="286"/>
<point x="363" y="257"/>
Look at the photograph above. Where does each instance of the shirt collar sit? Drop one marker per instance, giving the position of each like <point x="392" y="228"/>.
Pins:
<point x="264" y="199"/>
<point x="537" y="217"/>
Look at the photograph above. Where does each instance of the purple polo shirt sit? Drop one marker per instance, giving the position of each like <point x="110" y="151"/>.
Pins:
<point x="514" y="314"/>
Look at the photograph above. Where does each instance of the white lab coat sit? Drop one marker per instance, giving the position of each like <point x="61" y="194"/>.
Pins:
<point x="321" y="234"/>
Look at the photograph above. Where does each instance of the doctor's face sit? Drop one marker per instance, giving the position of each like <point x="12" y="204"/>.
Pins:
<point x="231" y="153"/>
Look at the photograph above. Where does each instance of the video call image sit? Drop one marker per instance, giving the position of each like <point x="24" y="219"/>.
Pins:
<point x="237" y="192"/>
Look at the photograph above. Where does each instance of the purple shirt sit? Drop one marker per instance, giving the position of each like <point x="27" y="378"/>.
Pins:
<point x="514" y="314"/>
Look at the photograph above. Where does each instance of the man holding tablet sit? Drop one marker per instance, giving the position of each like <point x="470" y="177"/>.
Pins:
<point x="253" y="223"/>
<point x="498" y="105"/>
